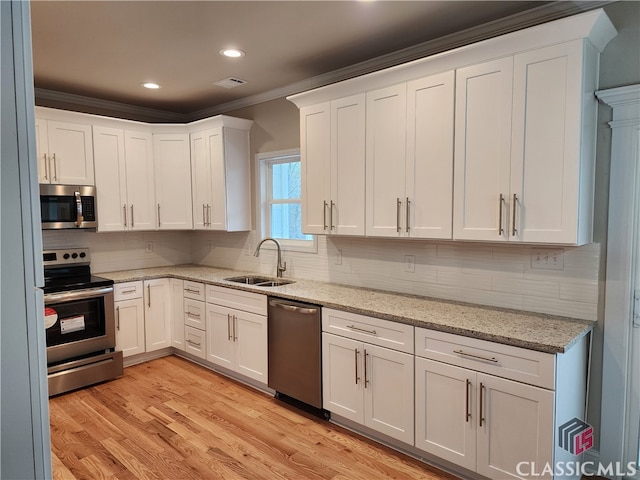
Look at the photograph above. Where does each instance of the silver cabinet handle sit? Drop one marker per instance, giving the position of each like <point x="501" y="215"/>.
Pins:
<point x="191" y="290"/>
<point x="478" y="357"/>
<point x="124" y="207"/>
<point x="118" y="318"/>
<point x="407" y="219"/>
<point x="132" y="224"/>
<point x="398" y="207"/>
<point x="195" y="344"/>
<point x="324" y="215"/>
<point x="46" y="166"/>
<point x="293" y="308"/>
<point x="500" y="207"/>
<point x="235" y="323"/>
<point x="55" y="168"/>
<point x="149" y="295"/>
<point x="357" y="329"/>
<point x="133" y="290"/>
<point x="481" y="413"/>
<point x="208" y="215"/>
<point x="79" y="217"/>
<point x="467" y="415"/>
<point x="196" y="315"/>
<point x="357" y="376"/>
<point x="204" y="218"/>
<point x="228" y="326"/>
<point x="331" y="206"/>
<point x="366" y="380"/>
<point x="514" y="230"/>
<point x="158" y="215"/>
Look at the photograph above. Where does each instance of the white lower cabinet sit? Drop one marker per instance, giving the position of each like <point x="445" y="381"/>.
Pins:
<point x="129" y="307"/>
<point x="177" y="314"/>
<point x="366" y="383"/>
<point x="237" y="339"/>
<point x="157" y="314"/>
<point x="481" y="422"/>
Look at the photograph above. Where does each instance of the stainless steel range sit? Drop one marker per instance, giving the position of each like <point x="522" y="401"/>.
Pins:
<point x="80" y="322"/>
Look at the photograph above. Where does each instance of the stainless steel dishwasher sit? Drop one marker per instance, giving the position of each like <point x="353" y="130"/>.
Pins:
<point x="295" y="351"/>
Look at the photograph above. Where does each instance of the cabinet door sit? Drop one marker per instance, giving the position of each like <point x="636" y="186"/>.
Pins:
<point x="217" y="218"/>
<point x="385" y="156"/>
<point x="172" y="170"/>
<point x="346" y="208"/>
<point x="445" y="412"/>
<point x="177" y="313"/>
<point x="545" y="160"/>
<point x="517" y="426"/>
<point x="140" y="180"/>
<point x="200" y="181"/>
<point x="157" y="315"/>
<point x="111" y="182"/>
<point x="130" y="327"/>
<point x="482" y="150"/>
<point x="220" y="338"/>
<point x="250" y="332"/>
<point x="342" y="377"/>
<point x="315" y="158"/>
<point x="195" y="342"/>
<point x="389" y="392"/>
<point x="429" y="164"/>
<point x="71" y="153"/>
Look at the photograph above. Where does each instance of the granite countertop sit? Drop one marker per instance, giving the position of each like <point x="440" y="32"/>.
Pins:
<point x="534" y="331"/>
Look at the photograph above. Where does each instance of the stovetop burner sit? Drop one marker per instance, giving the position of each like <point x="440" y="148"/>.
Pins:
<point x="69" y="269"/>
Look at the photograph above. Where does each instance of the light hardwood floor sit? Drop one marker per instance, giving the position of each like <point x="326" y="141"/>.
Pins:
<point x="170" y="419"/>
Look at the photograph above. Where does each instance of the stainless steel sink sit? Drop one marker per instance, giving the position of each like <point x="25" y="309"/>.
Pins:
<point x="259" y="281"/>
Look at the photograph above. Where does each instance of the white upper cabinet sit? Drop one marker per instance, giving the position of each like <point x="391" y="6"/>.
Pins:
<point x="315" y="144"/>
<point x="429" y="161"/>
<point x="124" y="174"/>
<point x="502" y="152"/>
<point x="482" y="150"/>
<point x="385" y="160"/>
<point x="221" y="177"/>
<point x="172" y="170"/>
<point x="524" y="152"/>
<point x="332" y="150"/>
<point x="65" y="153"/>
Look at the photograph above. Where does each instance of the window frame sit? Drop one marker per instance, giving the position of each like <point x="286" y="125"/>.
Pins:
<point x="263" y="165"/>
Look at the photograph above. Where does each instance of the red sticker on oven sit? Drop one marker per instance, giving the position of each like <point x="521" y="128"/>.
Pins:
<point x="50" y="317"/>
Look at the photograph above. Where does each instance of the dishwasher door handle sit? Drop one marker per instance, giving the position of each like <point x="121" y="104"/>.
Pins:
<point x="293" y="308"/>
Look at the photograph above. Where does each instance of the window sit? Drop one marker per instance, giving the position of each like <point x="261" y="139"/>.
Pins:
<point x="280" y="202"/>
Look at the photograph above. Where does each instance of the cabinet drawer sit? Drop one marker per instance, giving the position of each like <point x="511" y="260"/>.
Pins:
<point x="519" y="364"/>
<point x="385" y="333"/>
<point x="195" y="342"/>
<point x="194" y="290"/>
<point x="194" y="312"/>
<point x="127" y="291"/>
<point x="238" y="299"/>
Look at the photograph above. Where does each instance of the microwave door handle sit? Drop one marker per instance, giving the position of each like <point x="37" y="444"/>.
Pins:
<point x="79" y="217"/>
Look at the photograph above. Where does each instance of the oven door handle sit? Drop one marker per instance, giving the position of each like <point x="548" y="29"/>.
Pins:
<point x="50" y="298"/>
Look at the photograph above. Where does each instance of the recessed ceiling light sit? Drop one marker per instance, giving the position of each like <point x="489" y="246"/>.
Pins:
<point x="150" y="85"/>
<point x="231" y="52"/>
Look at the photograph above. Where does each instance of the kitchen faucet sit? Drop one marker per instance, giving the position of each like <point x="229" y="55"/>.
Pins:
<point x="280" y="268"/>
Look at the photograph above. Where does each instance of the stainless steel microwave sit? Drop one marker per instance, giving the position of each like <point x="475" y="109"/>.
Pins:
<point x="68" y="206"/>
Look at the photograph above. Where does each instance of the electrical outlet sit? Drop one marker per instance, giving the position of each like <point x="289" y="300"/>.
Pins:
<point x="149" y="247"/>
<point x="409" y="263"/>
<point x="339" y="257"/>
<point x="547" y="259"/>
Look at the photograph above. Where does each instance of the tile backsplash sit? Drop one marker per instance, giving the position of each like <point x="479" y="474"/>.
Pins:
<point x="488" y="274"/>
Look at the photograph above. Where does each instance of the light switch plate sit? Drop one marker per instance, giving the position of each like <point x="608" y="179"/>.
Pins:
<point x="409" y="263"/>
<point x="547" y="259"/>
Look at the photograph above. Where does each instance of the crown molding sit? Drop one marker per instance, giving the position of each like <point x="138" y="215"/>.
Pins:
<point x="545" y="13"/>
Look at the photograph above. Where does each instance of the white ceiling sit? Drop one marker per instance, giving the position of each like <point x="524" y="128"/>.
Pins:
<point x="105" y="49"/>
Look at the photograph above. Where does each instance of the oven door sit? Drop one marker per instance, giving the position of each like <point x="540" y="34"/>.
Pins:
<point x="80" y="322"/>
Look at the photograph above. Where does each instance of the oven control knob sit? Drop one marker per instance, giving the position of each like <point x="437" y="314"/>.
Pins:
<point x="66" y="256"/>
<point x="74" y="255"/>
<point x="82" y="254"/>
